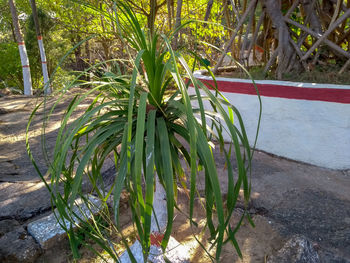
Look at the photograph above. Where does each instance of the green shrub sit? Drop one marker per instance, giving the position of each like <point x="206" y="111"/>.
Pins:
<point x="147" y="121"/>
<point x="10" y="66"/>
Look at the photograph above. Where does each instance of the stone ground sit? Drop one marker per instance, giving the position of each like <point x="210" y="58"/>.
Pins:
<point x="288" y="198"/>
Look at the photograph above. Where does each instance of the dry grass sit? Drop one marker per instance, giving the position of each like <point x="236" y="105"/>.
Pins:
<point x="318" y="74"/>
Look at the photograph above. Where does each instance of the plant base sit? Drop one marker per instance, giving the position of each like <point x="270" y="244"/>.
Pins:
<point x="175" y="253"/>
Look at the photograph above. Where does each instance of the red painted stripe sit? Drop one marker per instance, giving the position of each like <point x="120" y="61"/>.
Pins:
<point x="40" y="37"/>
<point x="259" y="49"/>
<point x="20" y="43"/>
<point x="43" y="62"/>
<point x="156" y="239"/>
<point x="25" y="66"/>
<point x="287" y="92"/>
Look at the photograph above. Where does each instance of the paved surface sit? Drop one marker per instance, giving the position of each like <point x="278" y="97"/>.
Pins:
<point x="302" y="199"/>
<point x="298" y="198"/>
<point x="305" y="200"/>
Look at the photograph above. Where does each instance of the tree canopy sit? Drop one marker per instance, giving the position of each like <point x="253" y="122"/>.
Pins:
<point x="277" y="38"/>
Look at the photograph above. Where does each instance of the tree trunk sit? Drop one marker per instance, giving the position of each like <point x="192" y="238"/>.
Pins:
<point x="244" y="47"/>
<point x="27" y="81"/>
<point x="331" y="28"/>
<point x="152" y="15"/>
<point x="177" y="21"/>
<point x="47" y="89"/>
<point x="88" y="58"/>
<point x="209" y="7"/>
<point x="170" y="16"/>
<point x="337" y="50"/>
<point x="286" y="53"/>
<point x="79" y="61"/>
<point x="310" y="10"/>
<point x="13" y="33"/>
<point x="233" y="36"/>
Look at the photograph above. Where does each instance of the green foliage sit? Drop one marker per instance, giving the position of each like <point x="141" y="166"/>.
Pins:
<point x="144" y="117"/>
<point x="10" y="63"/>
<point x="10" y="66"/>
<point x="62" y="78"/>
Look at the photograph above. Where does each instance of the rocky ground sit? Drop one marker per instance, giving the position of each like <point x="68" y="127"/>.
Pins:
<point x="290" y="201"/>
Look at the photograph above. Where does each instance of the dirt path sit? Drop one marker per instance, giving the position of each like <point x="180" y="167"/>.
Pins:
<point x="288" y="198"/>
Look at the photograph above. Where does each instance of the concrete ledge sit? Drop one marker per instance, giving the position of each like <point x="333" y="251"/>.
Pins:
<point x="305" y="122"/>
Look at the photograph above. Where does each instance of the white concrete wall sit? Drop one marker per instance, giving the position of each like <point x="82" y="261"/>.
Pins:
<point x="314" y="132"/>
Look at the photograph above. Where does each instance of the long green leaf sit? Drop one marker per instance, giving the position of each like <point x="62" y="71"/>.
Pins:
<point x="167" y="176"/>
<point x="149" y="172"/>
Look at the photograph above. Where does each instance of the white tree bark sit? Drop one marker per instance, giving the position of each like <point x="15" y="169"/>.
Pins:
<point x="27" y="80"/>
<point x="47" y="89"/>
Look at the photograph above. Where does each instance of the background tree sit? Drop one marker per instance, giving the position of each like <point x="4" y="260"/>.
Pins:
<point x="293" y="36"/>
<point x="275" y="39"/>
<point x="27" y="81"/>
<point x="47" y="89"/>
<point x="33" y="48"/>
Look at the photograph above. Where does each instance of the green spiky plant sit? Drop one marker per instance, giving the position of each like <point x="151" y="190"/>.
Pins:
<point x="147" y="120"/>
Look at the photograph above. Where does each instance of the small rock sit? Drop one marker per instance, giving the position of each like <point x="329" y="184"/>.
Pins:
<point x="123" y="201"/>
<point x="18" y="246"/>
<point x="47" y="231"/>
<point x="296" y="250"/>
<point x="5" y="92"/>
<point x="7" y="225"/>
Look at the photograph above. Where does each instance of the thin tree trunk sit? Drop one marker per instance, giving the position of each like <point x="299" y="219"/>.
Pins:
<point x="230" y="42"/>
<point x="234" y="9"/>
<point x="152" y="15"/>
<point x="285" y="49"/>
<point x="168" y="2"/>
<point x="336" y="12"/>
<point x="337" y="49"/>
<point x="209" y="7"/>
<point x="27" y="81"/>
<point x="13" y="33"/>
<point x="47" y="89"/>
<point x="244" y="46"/>
<point x="331" y="28"/>
<point x="315" y="23"/>
<point x="226" y="13"/>
<point x="79" y="62"/>
<point x="309" y="7"/>
<point x="346" y="65"/>
<point x="177" y="21"/>
<point x="299" y="53"/>
<point x="255" y="34"/>
<point x="88" y="58"/>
